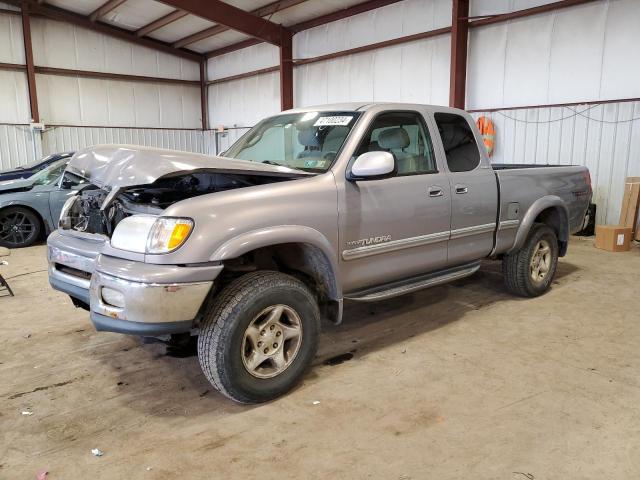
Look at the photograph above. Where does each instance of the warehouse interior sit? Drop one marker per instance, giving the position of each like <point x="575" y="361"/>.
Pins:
<point x="457" y="380"/>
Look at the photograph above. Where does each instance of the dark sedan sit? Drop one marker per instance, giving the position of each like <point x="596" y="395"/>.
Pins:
<point x="25" y="171"/>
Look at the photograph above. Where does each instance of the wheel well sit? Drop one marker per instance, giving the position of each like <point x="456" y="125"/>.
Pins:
<point x="556" y="219"/>
<point x="301" y="260"/>
<point x="43" y="225"/>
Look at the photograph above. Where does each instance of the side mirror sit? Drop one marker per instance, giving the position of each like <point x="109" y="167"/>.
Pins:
<point x="372" y="166"/>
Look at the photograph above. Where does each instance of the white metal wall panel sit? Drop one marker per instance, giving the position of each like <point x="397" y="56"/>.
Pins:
<point x="494" y="7"/>
<point x="241" y="103"/>
<point x="393" y="21"/>
<point x="11" y="43"/>
<point x="413" y="72"/>
<point x="247" y="59"/>
<point x="89" y="101"/>
<point x="582" y="53"/>
<point x="605" y="138"/>
<point x="59" y="139"/>
<point x="61" y="45"/>
<point x="18" y="146"/>
<point x="14" y="97"/>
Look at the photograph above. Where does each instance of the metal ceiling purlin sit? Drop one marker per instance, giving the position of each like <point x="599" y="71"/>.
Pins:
<point x="63" y="15"/>
<point x="105" y="8"/>
<point x="161" y="22"/>
<point x="216" y="29"/>
<point x="232" y="17"/>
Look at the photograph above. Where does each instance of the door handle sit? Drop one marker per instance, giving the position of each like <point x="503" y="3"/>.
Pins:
<point x="435" y="192"/>
<point x="461" y="189"/>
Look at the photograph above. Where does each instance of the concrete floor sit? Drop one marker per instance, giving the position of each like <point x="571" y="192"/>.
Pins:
<point x="460" y="381"/>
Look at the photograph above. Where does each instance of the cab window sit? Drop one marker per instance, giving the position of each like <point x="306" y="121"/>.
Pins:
<point x="458" y="141"/>
<point x="405" y="136"/>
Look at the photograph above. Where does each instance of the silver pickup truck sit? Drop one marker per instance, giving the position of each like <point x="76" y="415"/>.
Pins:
<point x="312" y="207"/>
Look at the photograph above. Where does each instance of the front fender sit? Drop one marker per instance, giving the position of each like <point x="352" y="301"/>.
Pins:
<point x="265" y="237"/>
<point x="39" y="204"/>
<point x="540" y="205"/>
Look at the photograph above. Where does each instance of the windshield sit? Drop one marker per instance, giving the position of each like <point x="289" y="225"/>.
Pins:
<point x="50" y="174"/>
<point x="306" y="141"/>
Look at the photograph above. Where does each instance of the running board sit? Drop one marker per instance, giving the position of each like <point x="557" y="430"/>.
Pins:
<point x="400" y="287"/>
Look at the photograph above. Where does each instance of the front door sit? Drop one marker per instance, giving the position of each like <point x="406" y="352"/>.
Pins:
<point x="474" y="190"/>
<point x="395" y="227"/>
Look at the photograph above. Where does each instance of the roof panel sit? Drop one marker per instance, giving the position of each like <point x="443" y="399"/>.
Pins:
<point x="217" y="41"/>
<point x="181" y="28"/>
<point x="83" y="7"/>
<point x="309" y="10"/>
<point x="134" y="14"/>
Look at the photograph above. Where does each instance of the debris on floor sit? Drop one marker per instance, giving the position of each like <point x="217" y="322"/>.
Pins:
<point x="27" y="413"/>
<point x="97" y="452"/>
<point x="316" y="402"/>
<point x="338" y="359"/>
<point x="42" y="475"/>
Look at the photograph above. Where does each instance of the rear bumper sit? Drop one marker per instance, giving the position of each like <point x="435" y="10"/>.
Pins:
<point x="146" y="299"/>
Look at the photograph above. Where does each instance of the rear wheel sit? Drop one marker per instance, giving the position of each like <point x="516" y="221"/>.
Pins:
<point x="529" y="271"/>
<point x="19" y="227"/>
<point x="258" y="336"/>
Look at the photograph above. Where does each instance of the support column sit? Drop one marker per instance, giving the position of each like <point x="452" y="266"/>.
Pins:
<point x="28" y="54"/>
<point x="459" y="36"/>
<point x="286" y="69"/>
<point x="203" y="93"/>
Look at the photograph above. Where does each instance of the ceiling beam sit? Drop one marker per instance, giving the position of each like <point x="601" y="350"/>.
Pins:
<point x="60" y="14"/>
<point x="161" y="22"/>
<point x="217" y="29"/>
<point x="232" y="17"/>
<point x="105" y="8"/>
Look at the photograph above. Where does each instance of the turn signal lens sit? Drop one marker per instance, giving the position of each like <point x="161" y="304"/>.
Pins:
<point x="168" y="234"/>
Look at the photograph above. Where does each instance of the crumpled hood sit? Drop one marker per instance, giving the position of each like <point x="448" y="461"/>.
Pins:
<point x="128" y="165"/>
<point x="16" y="184"/>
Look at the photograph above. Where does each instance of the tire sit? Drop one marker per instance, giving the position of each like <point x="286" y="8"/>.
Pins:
<point x="228" y="348"/>
<point x="19" y="227"/>
<point x="525" y="275"/>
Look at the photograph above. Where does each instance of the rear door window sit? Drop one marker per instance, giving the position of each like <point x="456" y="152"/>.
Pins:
<point x="458" y="141"/>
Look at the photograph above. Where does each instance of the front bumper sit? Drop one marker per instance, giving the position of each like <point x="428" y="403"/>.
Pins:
<point x="152" y="300"/>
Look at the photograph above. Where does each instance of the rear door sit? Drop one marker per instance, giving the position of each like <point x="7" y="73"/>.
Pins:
<point x="395" y="227"/>
<point x="474" y="189"/>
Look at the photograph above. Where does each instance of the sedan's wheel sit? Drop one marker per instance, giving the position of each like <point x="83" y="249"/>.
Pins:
<point x="529" y="271"/>
<point x="19" y="227"/>
<point x="258" y="336"/>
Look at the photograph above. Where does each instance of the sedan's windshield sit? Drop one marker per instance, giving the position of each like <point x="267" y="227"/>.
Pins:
<point x="50" y="174"/>
<point x="305" y="141"/>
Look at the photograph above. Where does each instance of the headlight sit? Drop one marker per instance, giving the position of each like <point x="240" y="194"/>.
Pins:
<point x="64" y="221"/>
<point x="168" y="234"/>
<point x="131" y="233"/>
<point x="150" y="234"/>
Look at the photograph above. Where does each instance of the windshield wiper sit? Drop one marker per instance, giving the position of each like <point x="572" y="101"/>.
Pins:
<point x="269" y="162"/>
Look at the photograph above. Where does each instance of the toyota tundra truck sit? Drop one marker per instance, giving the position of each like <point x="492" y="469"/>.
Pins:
<point x="313" y="207"/>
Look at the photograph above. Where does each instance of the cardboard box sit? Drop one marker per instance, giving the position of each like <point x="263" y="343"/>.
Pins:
<point x="630" y="203"/>
<point x="615" y="238"/>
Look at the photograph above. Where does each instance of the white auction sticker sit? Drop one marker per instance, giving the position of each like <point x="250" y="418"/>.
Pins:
<point x="331" y="121"/>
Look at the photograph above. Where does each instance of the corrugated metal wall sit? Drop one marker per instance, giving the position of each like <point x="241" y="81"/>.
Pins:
<point x="605" y="138"/>
<point x="18" y="146"/>
<point x="60" y="139"/>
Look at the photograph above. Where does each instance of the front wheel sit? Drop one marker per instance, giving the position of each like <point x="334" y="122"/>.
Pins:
<point x="529" y="271"/>
<point x="258" y="336"/>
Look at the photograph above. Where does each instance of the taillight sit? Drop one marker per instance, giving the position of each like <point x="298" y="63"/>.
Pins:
<point x="587" y="179"/>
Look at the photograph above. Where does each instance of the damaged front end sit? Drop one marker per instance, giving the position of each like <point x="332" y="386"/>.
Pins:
<point x="125" y="181"/>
